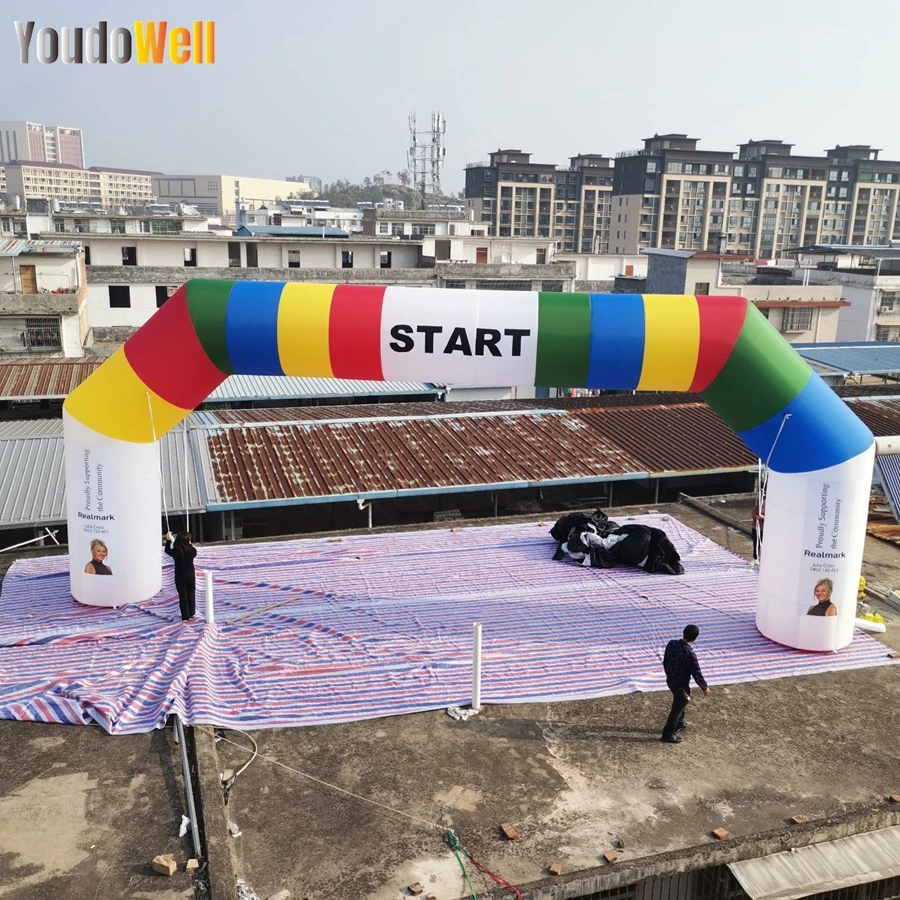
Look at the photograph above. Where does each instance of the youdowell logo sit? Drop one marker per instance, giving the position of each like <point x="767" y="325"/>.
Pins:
<point x="150" y="43"/>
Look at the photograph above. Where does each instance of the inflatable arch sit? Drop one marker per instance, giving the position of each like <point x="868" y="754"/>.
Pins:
<point x="818" y="453"/>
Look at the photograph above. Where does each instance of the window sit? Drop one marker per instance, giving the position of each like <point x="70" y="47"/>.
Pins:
<point x="651" y="167"/>
<point x="253" y="256"/>
<point x="385" y="259"/>
<point x="832" y="175"/>
<point x="346" y="259"/>
<point x="540" y="256"/>
<point x="129" y="256"/>
<point x="776" y="172"/>
<point x="190" y="256"/>
<point x="163" y="292"/>
<point x="701" y="289"/>
<point x="674" y="168"/>
<point x="797" y="320"/>
<point x="882" y="333"/>
<point x="845" y="175"/>
<point x="234" y="254"/>
<point x="117" y="226"/>
<point x="842" y="192"/>
<point x="87" y="255"/>
<point x="649" y="185"/>
<point x="119" y="296"/>
<point x="739" y="171"/>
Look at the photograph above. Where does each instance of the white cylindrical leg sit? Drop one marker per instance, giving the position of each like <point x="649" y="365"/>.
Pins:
<point x="208" y="581"/>
<point x="476" y="666"/>
<point x="815" y="533"/>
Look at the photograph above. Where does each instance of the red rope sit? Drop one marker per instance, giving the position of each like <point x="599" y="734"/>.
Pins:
<point x="496" y="878"/>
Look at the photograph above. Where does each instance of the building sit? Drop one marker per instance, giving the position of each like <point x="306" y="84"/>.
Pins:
<point x="215" y="195"/>
<point x="513" y="197"/>
<point x="31" y="142"/>
<point x="106" y="188"/>
<point x="869" y="279"/>
<point x="43" y="298"/>
<point x="313" y="182"/>
<point x="780" y="202"/>
<point x="803" y="313"/>
<point x="670" y="195"/>
<point x="593" y="184"/>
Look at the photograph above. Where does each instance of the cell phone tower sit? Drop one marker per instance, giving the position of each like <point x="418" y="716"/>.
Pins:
<point x="425" y="157"/>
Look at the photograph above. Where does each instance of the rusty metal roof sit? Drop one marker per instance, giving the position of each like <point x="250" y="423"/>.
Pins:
<point x="685" y="437"/>
<point x="395" y="456"/>
<point x="262" y="457"/>
<point x="44" y="379"/>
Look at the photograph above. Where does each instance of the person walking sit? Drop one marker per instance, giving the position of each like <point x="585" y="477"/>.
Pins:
<point x="183" y="553"/>
<point x="680" y="664"/>
<point x="756" y="532"/>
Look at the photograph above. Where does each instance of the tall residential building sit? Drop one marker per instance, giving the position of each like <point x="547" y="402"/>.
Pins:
<point x="511" y="195"/>
<point x="514" y="197"/>
<point x="848" y="196"/>
<point x="764" y="202"/>
<point x="109" y="188"/>
<point x="669" y="194"/>
<point x="29" y="141"/>
<point x="591" y="175"/>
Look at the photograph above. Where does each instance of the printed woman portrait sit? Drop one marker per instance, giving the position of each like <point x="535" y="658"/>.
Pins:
<point x="97" y="565"/>
<point x="823" y="605"/>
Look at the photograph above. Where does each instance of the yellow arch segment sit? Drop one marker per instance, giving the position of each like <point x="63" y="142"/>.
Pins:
<point x="113" y="402"/>
<point x="303" y="317"/>
<point x="671" y="342"/>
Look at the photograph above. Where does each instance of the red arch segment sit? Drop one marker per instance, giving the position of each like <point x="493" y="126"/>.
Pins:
<point x="721" y="321"/>
<point x="354" y="332"/>
<point x="167" y="356"/>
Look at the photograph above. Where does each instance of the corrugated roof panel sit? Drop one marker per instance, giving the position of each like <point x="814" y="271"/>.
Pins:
<point x="869" y="358"/>
<point x="888" y="469"/>
<point x="829" y="866"/>
<point x="30" y="428"/>
<point x="32" y="472"/>
<point x="683" y="438"/>
<point x="306" y="460"/>
<point x="43" y="379"/>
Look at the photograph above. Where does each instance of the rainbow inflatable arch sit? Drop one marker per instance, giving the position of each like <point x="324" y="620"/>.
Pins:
<point x="819" y="454"/>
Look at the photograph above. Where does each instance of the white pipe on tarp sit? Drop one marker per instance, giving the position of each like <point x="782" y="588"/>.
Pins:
<point x="476" y="666"/>
<point x="208" y="581"/>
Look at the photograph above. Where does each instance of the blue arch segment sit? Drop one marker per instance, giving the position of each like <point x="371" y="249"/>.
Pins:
<point x="617" y="341"/>
<point x="251" y="327"/>
<point x="821" y="432"/>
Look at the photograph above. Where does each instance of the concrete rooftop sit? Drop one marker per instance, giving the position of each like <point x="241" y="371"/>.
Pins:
<point x="82" y="814"/>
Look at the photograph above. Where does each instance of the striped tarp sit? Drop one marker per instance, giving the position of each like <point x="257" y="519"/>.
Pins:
<point x="317" y="631"/>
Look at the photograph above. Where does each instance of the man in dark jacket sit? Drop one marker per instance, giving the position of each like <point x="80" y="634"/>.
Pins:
<point x="680" y="663"/>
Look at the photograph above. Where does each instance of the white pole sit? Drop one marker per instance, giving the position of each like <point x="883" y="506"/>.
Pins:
<point x="476" y="666"/>
<point x="210" y="616"/>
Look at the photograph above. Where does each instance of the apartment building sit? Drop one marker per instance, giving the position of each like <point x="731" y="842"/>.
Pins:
<point x="32" y="142"/>
<point x="591" y="176"/>
<point x="669" y="194"/>
<point x="108" y="187"/>
<point x="848" y="196"/>
<point x="514" y="197"/>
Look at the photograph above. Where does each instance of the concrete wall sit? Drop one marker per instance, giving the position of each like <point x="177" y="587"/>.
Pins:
<point x="857" y="321"/>
<point x="51" y="272"/>
<point x="666" y="274"/>
<point x="604" y="267"/>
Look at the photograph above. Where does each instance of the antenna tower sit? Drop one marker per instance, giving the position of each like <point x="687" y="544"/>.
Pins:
<point x="425" y="157"/>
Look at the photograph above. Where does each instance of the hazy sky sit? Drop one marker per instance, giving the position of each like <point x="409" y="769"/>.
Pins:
<point x="325" y="88"/>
